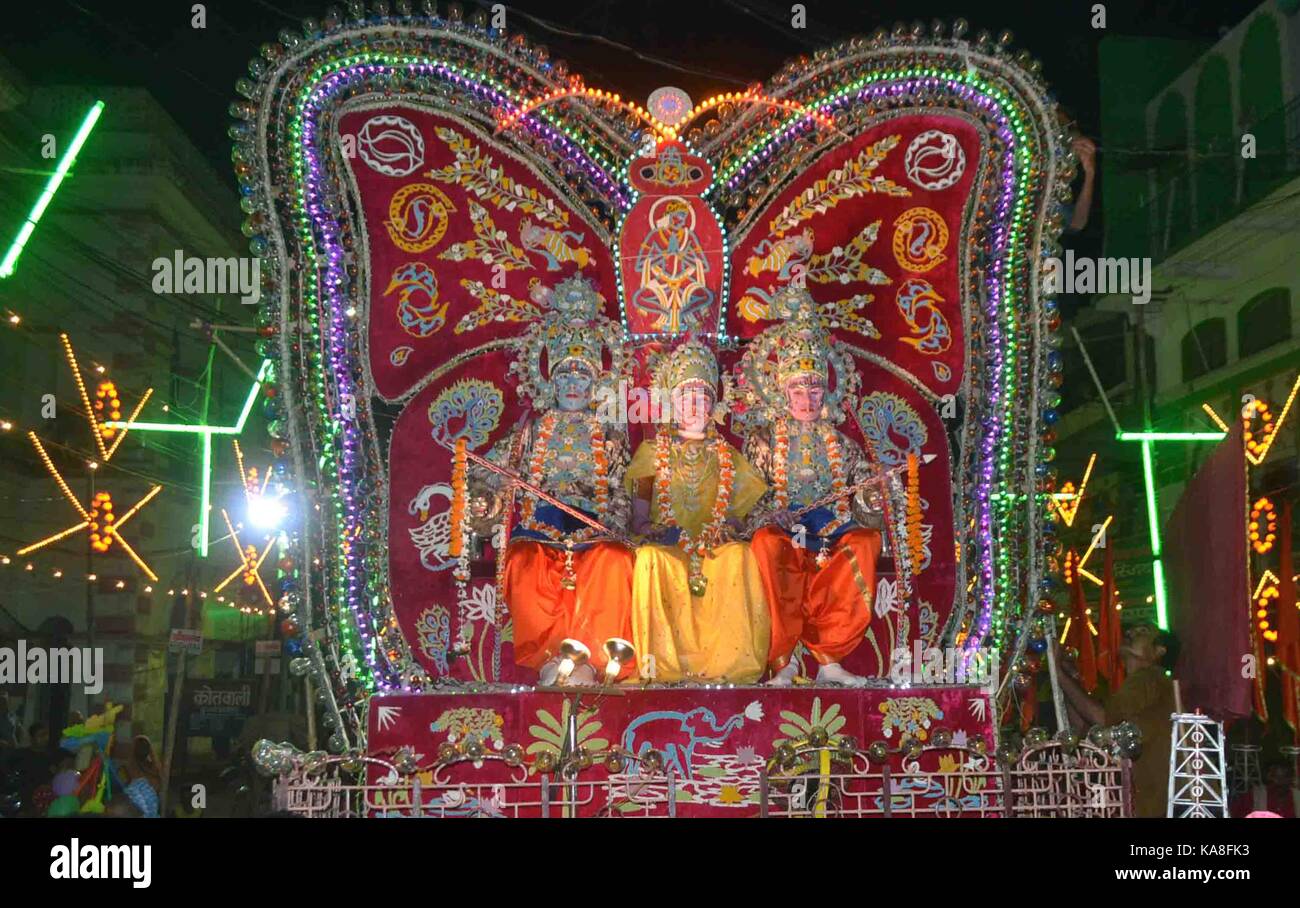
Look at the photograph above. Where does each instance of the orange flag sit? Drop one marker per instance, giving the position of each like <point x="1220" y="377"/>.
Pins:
<point x="1081" y="636"/>
<point x="1109" y="627"/>
<point x="1028" y="710"/>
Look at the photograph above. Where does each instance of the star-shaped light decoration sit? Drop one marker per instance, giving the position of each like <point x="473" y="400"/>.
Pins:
<point x="1067" y="500"/>
<point x="250" y="560"/>
<point x="99" y="517"/>
<point x="1098" y="539"/>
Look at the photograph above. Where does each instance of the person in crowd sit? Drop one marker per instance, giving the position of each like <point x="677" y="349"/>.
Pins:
<point x="143" y="777"/>
<point x="1276" y="795"/>
<point x="1085" y="151"/>
<point x="1146" y="698"/>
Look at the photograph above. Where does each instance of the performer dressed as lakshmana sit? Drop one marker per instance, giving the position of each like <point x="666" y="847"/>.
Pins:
<point x="697" y="602"/>
<point x="818" y="567"/>
<point x="560" y="579"/>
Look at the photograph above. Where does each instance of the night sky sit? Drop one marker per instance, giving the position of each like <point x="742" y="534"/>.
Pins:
<point x="702" y="46"/>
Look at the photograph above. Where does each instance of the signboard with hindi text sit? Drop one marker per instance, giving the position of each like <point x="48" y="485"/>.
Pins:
<point x="216" y="708"/>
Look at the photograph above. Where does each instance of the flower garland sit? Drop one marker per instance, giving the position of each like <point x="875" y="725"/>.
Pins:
<point x="456" y="547"/>
<point x="537" y="464"/>
<point x="697" y="546"/>
<point x="835" y="457"/>
<point x="459" y="483"/>
<point x="915" y="540"/>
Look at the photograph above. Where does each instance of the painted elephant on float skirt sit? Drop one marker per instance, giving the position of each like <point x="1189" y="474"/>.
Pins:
<point x="677" y="734"/>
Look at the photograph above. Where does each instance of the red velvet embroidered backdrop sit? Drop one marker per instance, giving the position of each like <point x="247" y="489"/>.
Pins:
<point x="443" y="241"/>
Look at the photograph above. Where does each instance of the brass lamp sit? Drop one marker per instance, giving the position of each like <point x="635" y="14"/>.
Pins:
<point x="620" y="653"/>
<point x="572" y="654"/>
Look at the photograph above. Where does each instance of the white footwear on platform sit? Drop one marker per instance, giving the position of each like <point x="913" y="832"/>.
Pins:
<point x="785" y="677"/>
<point x="834" y="673"/>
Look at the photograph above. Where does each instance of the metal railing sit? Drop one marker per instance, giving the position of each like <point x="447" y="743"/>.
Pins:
<point x="831" y="780"/>
<point x="1046" y="781"/>
<point x="324" y="791"/>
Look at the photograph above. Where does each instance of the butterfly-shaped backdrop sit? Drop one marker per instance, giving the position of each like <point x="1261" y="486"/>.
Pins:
<point x="413" y="181"/>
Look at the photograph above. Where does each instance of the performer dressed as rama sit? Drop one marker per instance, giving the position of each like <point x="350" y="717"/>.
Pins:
<point x="697" y="604"/>
<point x="564" y="578"/>
<point x="817" y="552"/>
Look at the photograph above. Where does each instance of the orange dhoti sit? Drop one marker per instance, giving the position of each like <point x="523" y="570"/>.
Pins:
<point x="544" y="613"/>
<point x="827" y="607"/>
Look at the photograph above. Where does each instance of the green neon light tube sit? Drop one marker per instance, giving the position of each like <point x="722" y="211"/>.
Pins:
<point x="173" y="427"/>
<point x="1172" y="436"/>
<point x="1157" y="547"/>
<point x="205" y="500"/>
<point x="252" y="396"/>
<point x="1162" y="604"/>
<point x="1153" y="512"/>
<point x="201" y="429"/>
<point x="51" y="187"/>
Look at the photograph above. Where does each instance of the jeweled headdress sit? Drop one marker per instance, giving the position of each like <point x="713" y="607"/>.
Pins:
<point x="802" y="354"/>
<point x="573" y="329"/>
<point x="799" y="344"/>
<point x="693" y="362"/>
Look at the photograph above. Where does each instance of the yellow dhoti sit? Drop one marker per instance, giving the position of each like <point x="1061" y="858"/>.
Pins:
<point x="720" y="636"/>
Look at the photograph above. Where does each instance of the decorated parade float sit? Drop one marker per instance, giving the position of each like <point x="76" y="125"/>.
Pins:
<point x="670" y="458"/>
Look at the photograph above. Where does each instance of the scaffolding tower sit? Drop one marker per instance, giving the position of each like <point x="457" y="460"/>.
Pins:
<point x="1198" y="784"/>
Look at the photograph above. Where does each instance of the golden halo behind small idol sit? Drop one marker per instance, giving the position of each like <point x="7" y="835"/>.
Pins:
<point x="697" y="601"/>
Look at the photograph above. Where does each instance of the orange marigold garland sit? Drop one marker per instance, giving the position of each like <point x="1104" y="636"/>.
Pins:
<point x="459" y="492"/>
<point x="915" y="541"/>
<point x="710" y="534"/>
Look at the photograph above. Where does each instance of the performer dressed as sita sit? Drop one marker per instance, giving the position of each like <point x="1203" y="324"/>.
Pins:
<point x="698" y="606"/>
<point x="817" y="551"/>
<point x="565" y="578"/>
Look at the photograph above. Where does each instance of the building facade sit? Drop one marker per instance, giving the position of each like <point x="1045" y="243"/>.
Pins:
<point x="139" y="191"/>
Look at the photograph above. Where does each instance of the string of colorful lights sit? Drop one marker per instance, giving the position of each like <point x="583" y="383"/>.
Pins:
<point x="285" y="130"/>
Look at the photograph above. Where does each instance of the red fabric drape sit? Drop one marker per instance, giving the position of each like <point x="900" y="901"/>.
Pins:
<point x="1109" y="664"/>
<point x="1081" y="637"/>
<point x="1206" y="558"/>
<point x="1288" y="622"/>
